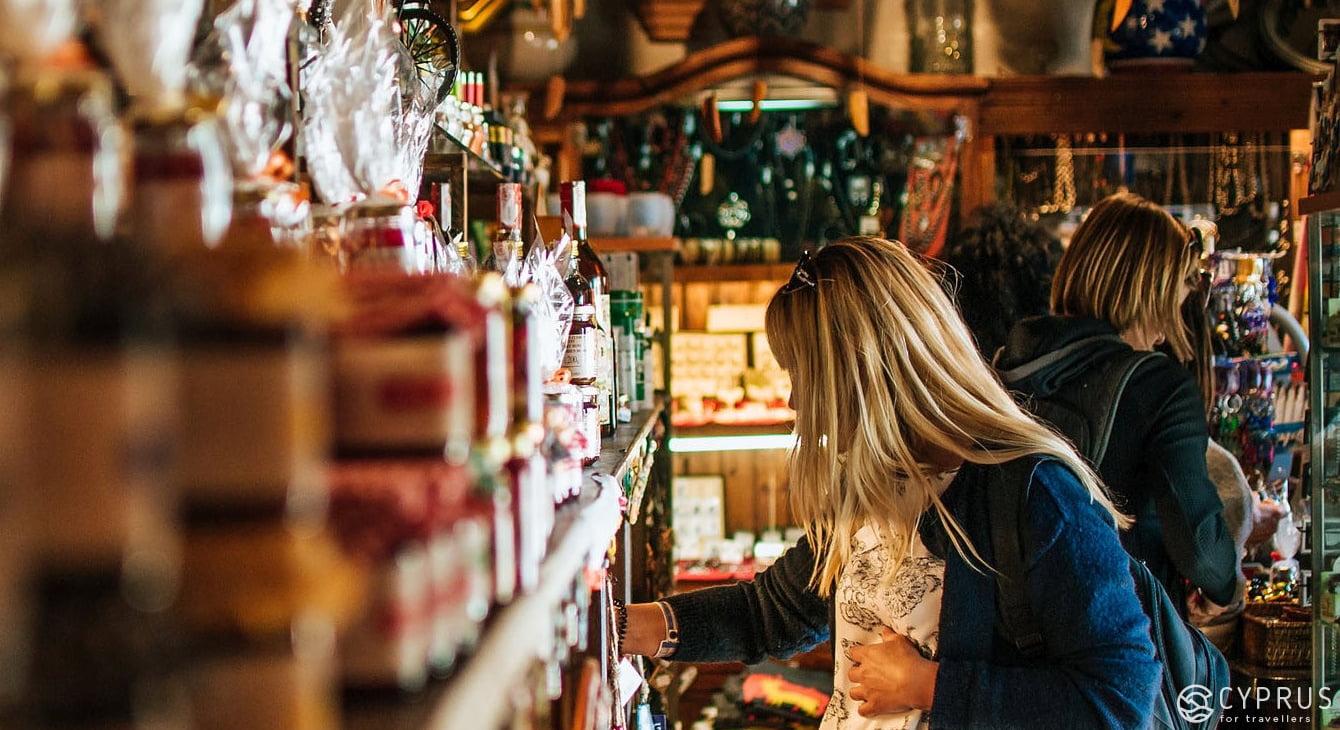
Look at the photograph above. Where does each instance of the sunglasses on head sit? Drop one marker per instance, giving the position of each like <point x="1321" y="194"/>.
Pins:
<point x="1201" y="245"/>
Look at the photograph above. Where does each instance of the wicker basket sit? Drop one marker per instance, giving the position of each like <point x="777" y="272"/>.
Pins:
<point x="1277" y="635"/>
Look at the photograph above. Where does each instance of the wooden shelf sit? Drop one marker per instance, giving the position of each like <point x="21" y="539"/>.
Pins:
<point x="760" y="56"/>
<point x="1148" y="102"/>
<point x="1319" y="202"/>
<point x="437" y="163"/>
<point x="641" y="244"/>
<point x="615" y="457"/>
<point x="735" y="429"/>
<point x="734" y="272"/>
<point x="471" y="697"/>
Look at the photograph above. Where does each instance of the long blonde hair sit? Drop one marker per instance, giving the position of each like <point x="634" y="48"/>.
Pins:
<point x="1126" y="265"/>
<point x="886" y="381"/>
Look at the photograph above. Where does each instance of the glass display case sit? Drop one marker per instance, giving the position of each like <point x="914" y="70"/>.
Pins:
<point x="1323" y="537"/>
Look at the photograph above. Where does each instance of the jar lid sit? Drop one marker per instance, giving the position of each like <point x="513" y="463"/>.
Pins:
<point x="607" y="186"/>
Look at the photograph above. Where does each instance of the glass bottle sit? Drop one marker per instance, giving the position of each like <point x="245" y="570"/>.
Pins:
<point x="580" y="356"/>
<point x="572" y="199"/>
<point x="508" y="247"/>
<point x="381" y="236"/>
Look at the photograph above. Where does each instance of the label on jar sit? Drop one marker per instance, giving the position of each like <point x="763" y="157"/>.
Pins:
<point x="389" y="646"/>
<point x="102" y="429"/>
<point x="405" y="393"/>
<point x="295" y="684"/>
<point x="253" y="421"/>
<point x="580" y="356"/>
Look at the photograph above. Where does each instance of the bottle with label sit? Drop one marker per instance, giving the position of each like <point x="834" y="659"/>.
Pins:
<point x="580" y="356"/>
<point x="572" y="198"/>
<point x="508" y="247"/>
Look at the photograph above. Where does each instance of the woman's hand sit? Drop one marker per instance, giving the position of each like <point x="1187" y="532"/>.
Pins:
<point x="891" y="676"/>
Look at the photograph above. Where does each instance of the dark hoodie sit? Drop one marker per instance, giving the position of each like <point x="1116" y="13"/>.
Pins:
<point x="1155" y="461"/>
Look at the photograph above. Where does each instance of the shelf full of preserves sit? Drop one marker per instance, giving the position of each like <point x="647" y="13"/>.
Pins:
<point x="276" y="446"/>
<point x="514" y="644"/>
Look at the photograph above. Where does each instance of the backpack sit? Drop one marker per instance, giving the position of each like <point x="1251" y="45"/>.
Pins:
<point x="1194" y="670"/>
<point x="1083" y="409"/>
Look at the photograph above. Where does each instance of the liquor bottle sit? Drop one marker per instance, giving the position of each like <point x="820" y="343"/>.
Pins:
<point x="572" y="197"/>
<point x="455" y="237"/>
<point x="508" y="246"/>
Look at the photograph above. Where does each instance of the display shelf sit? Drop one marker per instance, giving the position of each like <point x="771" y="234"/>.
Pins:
<point x="630" y="439"/>
<point x="452" y="159"/>
<point x="735" y="429"/>
<point x="471" y="698"/>
<point x="734" y="272"/>
<point x="1324" y="463"/>
<point x="1168" y="102"/>
<point x="1319" y="202"/>
<point x="640" y="244"/>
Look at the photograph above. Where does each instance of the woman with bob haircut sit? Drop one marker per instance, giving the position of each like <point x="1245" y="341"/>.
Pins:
<point x="902" y="432"/>
<point x="1120" y="286"/>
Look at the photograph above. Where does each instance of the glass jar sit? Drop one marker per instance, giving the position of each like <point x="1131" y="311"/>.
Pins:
<point x="381" y="236"/>
<point x="69" y="153"/>
<point x="182" y="194"/>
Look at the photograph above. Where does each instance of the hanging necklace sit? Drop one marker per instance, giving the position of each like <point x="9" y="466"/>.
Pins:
<point x="1063" y="193"/>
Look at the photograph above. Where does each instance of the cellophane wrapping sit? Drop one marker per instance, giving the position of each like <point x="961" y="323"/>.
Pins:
<point x="556" y="305"/>
<point x="244" y="62"/>
<point x="366" y="129"/>
<point x="31" y="29"/>
<point x="149" y="43"/>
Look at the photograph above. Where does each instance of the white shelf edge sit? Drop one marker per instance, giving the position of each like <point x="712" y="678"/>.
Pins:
<point x="515" y="637"/>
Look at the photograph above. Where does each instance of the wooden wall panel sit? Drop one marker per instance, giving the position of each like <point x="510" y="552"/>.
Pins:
<point x="753" y="481"/>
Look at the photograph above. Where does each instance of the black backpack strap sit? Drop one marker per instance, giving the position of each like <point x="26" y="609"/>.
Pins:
<point x="1007" y="499"/>
<point x="1102" y="409"/>
<point x="1027" y="369"/>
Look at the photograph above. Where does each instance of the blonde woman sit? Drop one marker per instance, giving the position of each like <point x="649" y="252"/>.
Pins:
<point x="1120" y="285"/>
<point x="901" y="429"/>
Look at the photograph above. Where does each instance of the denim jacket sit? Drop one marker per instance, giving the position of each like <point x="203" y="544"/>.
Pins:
<point x="1099" y="669"/>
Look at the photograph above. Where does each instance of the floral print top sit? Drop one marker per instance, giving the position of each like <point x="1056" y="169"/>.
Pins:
<point x="871" y="596"/>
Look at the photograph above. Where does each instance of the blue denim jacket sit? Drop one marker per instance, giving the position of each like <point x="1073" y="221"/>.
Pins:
<point x="1099" y="669"/>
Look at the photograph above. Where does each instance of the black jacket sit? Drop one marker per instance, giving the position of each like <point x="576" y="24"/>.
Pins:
<point x="1155" y="462"/>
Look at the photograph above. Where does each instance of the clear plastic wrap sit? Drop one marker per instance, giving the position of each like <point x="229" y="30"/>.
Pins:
<point x="366" y="127"/>
<point x="149" y="43"/>
<point x="554" y="313"/>
<point x="320" y="78"/>
<point x="32" y="29"/>
<point x="244" y="62"/>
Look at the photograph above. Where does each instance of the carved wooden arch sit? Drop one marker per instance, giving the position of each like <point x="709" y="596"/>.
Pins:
<point x="742" y="58"/>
